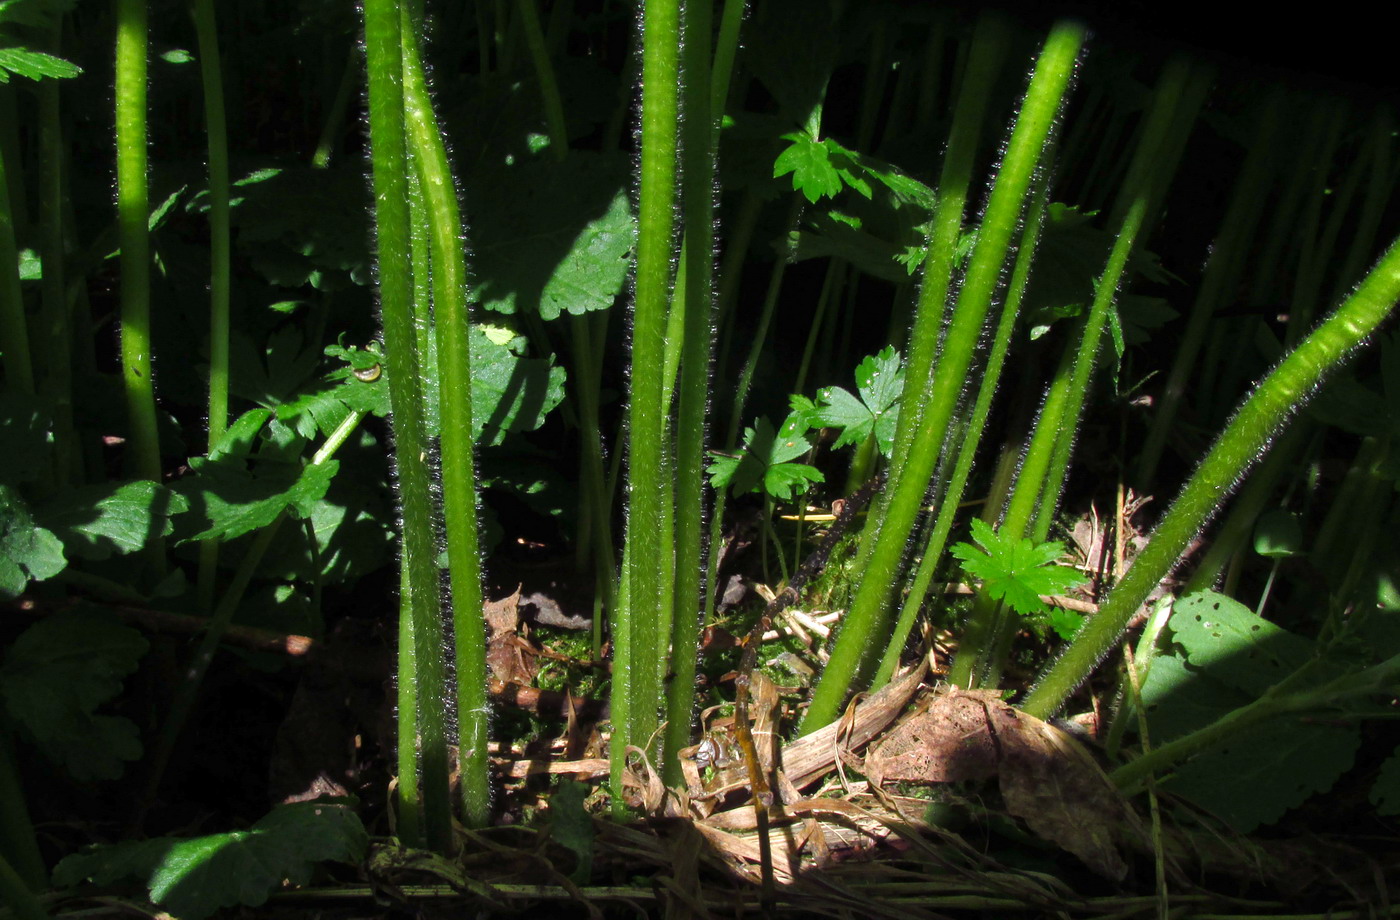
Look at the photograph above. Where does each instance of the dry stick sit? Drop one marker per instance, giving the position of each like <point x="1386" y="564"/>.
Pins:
<point x="762" y="794"/>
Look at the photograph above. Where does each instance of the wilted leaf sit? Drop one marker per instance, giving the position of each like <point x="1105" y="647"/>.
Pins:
<point x="1047" y="780"/>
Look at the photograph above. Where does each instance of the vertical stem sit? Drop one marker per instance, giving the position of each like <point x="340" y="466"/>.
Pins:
<point x="646" y="454"/>
<point x="133" y="210"/>
<point x="211" y="74"/>
<point x="452" y="324"/>
<point x="389" y="162"/>
<point x="698" y="253"/>
<point x="14" y="331"/>
<point x="1226" y="260"/>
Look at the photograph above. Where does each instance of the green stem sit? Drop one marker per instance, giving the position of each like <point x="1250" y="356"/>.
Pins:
<point x="1031" y="135"/>
<point x="1046" y="461"/>
<point x="646" y="472"/>
<point x="697" y="300"/>
<point x="1244" y="440"/>
<point x="14" y="331"/>
<point x="1225" y="265"/>
<point x="56" y="325"/>
<point x="133" y="211"/>
<point x="549" y="88"/>
<point x="211" y="74"/>
<point x="390" y="166"/>
<point x="967" y="450"/>
<point x="18" y="845"/>
<point x="452" y="323"/>
<point x="188" y="690"/>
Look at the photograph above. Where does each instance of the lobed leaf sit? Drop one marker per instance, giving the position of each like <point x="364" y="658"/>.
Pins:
<point x="56" y="675"/>
<point x="1014" y="569"/>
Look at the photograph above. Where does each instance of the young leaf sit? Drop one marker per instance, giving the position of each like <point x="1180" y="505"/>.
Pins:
<point x="812" y="172"/>
<point x="1014" y="569"/>
<point x="879" y="380"/>
<point x="56" y="675"/>
<point x="192" y="879"/>
<point x="766" y="461"/>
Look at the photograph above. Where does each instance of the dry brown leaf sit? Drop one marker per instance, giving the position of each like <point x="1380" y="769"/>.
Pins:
<point x="1050" y="782"/>
<point x="506" y="654"/>
<point x="1046" y="779"/>
<point x="946" y="742"/>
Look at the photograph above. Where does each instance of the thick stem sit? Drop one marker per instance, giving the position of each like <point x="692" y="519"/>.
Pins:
<point x="133" y="210"/>
<point x="427" y="727"/>
<point x="646" y="472"/>
<point x="452" y="324"/>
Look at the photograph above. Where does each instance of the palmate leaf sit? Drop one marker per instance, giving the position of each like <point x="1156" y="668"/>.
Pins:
<point x="879" y="381"/>
<point x="765" y="463"/>
<point x="1015" y="570"/>
<point x="192" y="879"/>
<point x="809" y="161"/>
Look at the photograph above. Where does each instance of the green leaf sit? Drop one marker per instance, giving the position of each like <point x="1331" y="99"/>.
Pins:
<point x="234" y="491"/>
<point x="510" y="392"/>
<point x="1225" y="639"/>
<point x="235" y="504"/>
<point x="98" y="520"/>
<point x="1014" y="569"/>
<point x="1385" y="794"/>
<point x="809" y="162"/>
<point x="55" y="676"/>
<point x="36" y="65"/>
<point x="27" y="551"/>
<point x="38" y="13"/>
<point x="1263" y="771"/>
<point x="880" y="380"/>
<point x="765" y="461"/>
<point x="192" y="879"/>
<point x="1226" y="657"/>
<point x="300" y="225"/>
<point x="552" y="237"/>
